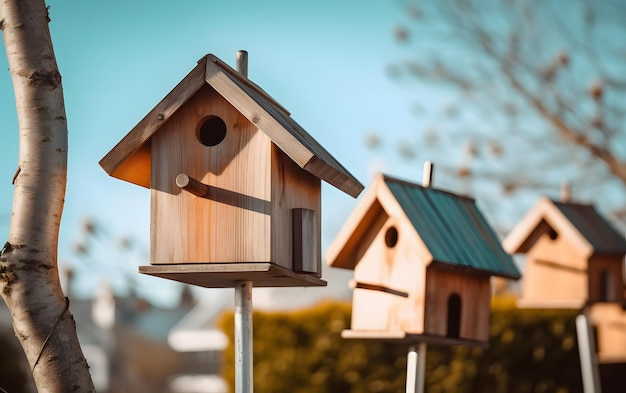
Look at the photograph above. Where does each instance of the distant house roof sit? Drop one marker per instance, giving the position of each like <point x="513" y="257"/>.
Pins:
<point x="196" y="331"/>
<point x="588" y="229"/>
<point x="451" y="227"/>
<point x="130" y="159"/>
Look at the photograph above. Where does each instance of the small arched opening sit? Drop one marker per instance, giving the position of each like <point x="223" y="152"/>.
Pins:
<point x="453" y="329"/>
<point x="607" y="286"/>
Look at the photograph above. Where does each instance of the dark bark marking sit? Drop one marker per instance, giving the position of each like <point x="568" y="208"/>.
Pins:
<point x="42" y="78"/>
<point x="31" y="265"/>
<point x="8" y="247"/>
<point x="17" y="172"/>
<point x="6" y="272"/>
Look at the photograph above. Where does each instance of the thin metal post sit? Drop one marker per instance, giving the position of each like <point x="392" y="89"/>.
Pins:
<point x="587" y="354"/>
<point x="243" y="337"/>
<point x="243" y="303"/>
<point x="415" y="369"/>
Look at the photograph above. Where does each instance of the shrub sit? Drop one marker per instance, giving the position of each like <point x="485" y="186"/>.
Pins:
<point x="530" y="351"/>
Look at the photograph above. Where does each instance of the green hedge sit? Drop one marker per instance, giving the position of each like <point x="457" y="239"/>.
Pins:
<point x="302" y="351"/>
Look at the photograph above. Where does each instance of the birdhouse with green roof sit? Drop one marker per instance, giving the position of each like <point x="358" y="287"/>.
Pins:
<point x="235" y="183"/>
<point x="422" y="260"/>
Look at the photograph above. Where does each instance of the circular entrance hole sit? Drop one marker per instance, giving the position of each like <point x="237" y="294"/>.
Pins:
<point x="552" y="233"/>
<point x="391" y="237"/>
<point x="212" y="131"/>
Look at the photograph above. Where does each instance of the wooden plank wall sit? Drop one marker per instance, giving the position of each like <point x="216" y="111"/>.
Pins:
<point x="236" y="226"/>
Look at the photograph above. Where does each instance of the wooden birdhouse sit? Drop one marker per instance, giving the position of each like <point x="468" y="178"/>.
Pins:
<point x="235" y="183"/>
<point x="422" y="261"/>
<point x="574" y="259"/>
<point x="572" y="256"/>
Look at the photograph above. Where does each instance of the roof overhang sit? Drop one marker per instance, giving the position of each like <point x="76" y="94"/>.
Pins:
<point x="130" y="160"/>
<point x="376" y="205"/>
<point x="527" y="231"/>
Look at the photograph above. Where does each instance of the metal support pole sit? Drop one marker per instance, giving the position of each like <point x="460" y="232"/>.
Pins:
<point x="243" y="303"/>
<point x="587" y="354"/>
<point x="243" y="337"/>
<point x="415" y="369"/>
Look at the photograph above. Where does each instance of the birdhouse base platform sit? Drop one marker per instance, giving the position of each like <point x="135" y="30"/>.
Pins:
<point x="227" y="275"/>
<point x="407" y="338"/>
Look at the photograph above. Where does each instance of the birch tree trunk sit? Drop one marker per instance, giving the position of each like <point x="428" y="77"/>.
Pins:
<point x="29" y="278"/>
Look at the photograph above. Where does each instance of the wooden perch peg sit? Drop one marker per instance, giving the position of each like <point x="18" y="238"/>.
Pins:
<point x="192" y="185"/>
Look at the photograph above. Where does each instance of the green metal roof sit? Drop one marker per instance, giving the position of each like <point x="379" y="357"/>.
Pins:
<point x="453" y="229"/>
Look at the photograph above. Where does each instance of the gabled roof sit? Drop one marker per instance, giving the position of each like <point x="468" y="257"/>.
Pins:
<point x="130" y="159"/>
<point x="449" y="226"/>
<point x="587" y="229"/>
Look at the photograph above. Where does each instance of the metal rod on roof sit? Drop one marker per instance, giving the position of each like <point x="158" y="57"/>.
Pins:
<point x="242" y="62"/>
<point x="566" y="191"/>
<point x="427" y="177"/>
<point x="243" y="303"/>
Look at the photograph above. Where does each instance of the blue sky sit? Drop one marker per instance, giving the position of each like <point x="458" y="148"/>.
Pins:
<point x="325" y="61"/>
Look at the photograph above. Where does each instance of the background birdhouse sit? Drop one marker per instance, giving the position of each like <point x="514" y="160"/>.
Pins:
<point x="572" y="256"/>
<point x="574" y="259"/>
<point x="235" y="183"/>
<point x="422" y="261"/>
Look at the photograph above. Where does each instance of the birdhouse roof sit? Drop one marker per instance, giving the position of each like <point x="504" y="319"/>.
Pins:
<point x="448" y="227"/>
<point x="130" y="159"/>
<point x="587" y="229"/>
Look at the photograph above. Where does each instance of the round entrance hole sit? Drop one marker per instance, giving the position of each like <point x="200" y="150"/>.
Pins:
<point x="552" y="233"/>
<point x="391" y="237"/>
<point x="212" y="131"/>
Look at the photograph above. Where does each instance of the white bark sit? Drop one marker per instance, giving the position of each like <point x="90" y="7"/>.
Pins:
<point x="29" y="280"/>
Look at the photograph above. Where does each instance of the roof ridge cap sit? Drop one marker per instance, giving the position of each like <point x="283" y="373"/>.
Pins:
<point x="433" y="189"/>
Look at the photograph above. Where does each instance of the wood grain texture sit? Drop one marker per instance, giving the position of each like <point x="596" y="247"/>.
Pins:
<point x="306" y="253"/>
<point x="293" y="188"/>
<point x="190" y="229"/>
<point x="399" y="268"/>
<point x="475" y="293"/>
<point x="226" y="275"/>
